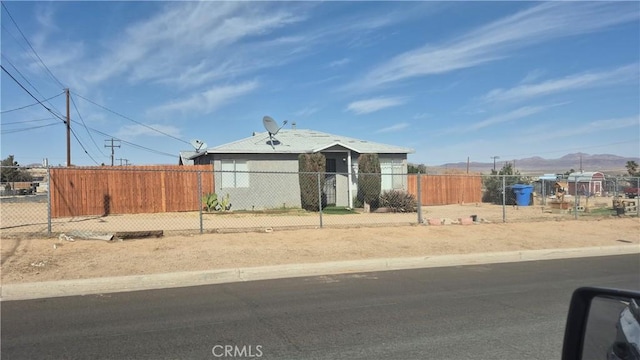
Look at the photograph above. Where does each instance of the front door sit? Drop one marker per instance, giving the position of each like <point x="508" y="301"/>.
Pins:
<point x="330" y="182"/>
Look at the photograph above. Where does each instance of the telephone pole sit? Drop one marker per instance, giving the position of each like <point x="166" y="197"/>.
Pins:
<point x="112" y="146"/>
<point x="126" y="161"/>
<point x="68" y="123"/>
<point x="494" y="161"/>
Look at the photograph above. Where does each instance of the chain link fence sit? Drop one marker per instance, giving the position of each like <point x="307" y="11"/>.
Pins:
<point x="184" y="200"/>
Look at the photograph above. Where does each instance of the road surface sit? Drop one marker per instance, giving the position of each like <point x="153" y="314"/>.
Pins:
<point x="501" y="311"/>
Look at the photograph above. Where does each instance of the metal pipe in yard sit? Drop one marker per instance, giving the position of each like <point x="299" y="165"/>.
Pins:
<point x="419" y="199"/>
<point x="504" y="198"/>
<point x="320" y="200"/>
<point x="200" y="199"/>
<point x="49" y="202"/>
<point x="575" y="199"/>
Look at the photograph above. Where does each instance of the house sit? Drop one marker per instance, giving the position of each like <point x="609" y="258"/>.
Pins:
<point x="259" y="173"/>
<point x="587" y="183"/>
<point x="186" y="157"/>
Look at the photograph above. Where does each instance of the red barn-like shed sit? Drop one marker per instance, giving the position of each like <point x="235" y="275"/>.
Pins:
<point x="588" y="183"/>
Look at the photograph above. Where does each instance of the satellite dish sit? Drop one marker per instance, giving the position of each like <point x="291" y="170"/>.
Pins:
<point x="272" y="129"/>
<point x="270" y="125"/>
<point x="197" y="144"/>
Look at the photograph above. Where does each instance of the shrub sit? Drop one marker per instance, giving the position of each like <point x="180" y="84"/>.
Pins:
<point x="309" y="166"/>
<point x="369" y="180"/>
<point x="399" y="201"/>
<point x="493" y="185"/>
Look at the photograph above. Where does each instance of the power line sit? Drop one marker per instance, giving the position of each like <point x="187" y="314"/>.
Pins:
<point x="28" y="82"/>
<point x="31" y="47"/>
<point x="130" y="119"/>
<point x="83" y="148"/>
<point x="10" y="131"/>
<point x="25" y="121"/>
<point x="30" y="94"/>
<point x="56" y="115"/>
<point x="85" y="126"/>
<point x="26" y="106"/>
<point x="130" y="143"/>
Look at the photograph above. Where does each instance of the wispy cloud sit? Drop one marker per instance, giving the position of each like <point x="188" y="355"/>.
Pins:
<point x="150" y="49"/>
<point x="206" y="102"/>
<point x="375" y="104"/>
<point x="393" y="128"/>
<point x="624" y="74"/>
<point x="547" y="21"/>
<point x="597" y="126"/>
<point x="339" y="63"/>
<point x="532" y="76"/>
<point x="134" y="131"/>
<point x="423" y="115"/>
<point x="507" y="117"/>
<point x="308" y="111"/>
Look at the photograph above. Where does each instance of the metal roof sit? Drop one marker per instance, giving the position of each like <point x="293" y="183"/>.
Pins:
<point x="186" y="157"/>
<point x="297" y="141"/>
<point x="585" y="176"/>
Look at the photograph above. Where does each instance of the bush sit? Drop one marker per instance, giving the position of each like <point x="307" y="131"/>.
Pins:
<point x="493" y="185"/>
<point x="309" y="166"/>
<point x="369" y="180"/>
<point x="399" y="201"/>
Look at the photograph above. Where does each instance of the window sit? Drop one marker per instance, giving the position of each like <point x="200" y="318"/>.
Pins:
<point x="393" y="176"/>
<point x="234" y="174"/>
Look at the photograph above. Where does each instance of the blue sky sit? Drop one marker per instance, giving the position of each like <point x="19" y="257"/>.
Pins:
<point x="449" y="79"/>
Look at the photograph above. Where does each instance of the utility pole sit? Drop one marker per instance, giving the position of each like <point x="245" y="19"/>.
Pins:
<point x="494" y="161"/>
<point x="68" y="123"/>
<point x="126" y="161"/>
<point x="112" y="147"/>
<point x="580" y="163"/>
<point x="467" y="164"/>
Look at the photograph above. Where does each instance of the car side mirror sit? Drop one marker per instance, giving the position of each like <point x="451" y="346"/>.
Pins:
<point x="603" y="324"/>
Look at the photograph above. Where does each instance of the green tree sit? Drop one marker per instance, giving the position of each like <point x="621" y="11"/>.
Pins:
<point x="493" y="184"/>
<point x="309" y="166"/>
<point x="632" y="168"/>
<point x="567" y="173"/>
<point x="414" y="169"/>
<point x="10" y="171"/>
<point x="369" y="180"/>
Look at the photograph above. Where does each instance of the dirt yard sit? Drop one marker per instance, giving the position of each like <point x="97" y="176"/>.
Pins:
<point x="29" y="260"/>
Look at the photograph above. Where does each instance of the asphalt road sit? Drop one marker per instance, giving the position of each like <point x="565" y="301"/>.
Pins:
<point x="501" y="311"/>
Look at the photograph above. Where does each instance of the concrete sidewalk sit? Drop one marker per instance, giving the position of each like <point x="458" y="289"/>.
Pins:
<point x="36" y="290"/>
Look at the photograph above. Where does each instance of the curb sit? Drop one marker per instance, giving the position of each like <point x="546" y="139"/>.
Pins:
<point x="37" y="290"/>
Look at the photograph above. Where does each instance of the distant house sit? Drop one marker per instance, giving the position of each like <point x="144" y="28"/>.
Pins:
<point x="186" y="157"/>
<point x="587" y="183"/>
<point x="258" y="174"/>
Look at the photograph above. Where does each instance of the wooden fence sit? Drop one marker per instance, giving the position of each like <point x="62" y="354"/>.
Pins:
<point x="446" y="189"/>
<point x="127" y="189"/>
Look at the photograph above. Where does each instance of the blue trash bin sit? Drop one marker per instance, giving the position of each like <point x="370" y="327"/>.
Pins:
<point x="523" y="194"/>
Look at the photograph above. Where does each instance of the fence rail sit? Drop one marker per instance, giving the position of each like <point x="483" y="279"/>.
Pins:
<point x="180" y="200"/>
<point x="126" y="189"/>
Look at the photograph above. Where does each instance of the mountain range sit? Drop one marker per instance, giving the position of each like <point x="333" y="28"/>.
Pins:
<point x="607" y="163"/>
